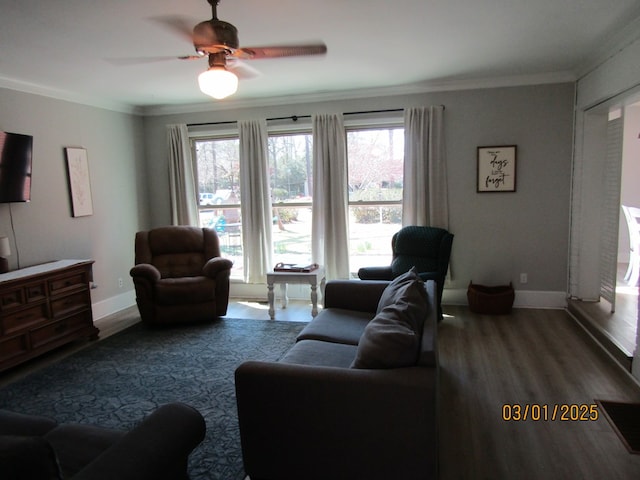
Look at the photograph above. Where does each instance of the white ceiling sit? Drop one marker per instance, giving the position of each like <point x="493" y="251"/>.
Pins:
<point x="107" y="52"/>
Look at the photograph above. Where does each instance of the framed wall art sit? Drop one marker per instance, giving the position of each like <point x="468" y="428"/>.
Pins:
<point x="79" y="181"/>
<point x="497" y="169"/>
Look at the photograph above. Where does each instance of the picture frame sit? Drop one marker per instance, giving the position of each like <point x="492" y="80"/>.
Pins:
<point x="497" y="168"/>
<point x="79" y="181"/>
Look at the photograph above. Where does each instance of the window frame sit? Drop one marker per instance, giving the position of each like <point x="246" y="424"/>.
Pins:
<point x="359" y="122"/>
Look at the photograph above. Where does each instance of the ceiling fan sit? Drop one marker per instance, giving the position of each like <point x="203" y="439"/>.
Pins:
<point x="218" y="40"/>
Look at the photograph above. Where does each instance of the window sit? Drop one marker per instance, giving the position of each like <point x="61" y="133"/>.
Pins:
<point x="218" y="171"/>
<point x="290" y="165"/>
<point x="375" y="163"/>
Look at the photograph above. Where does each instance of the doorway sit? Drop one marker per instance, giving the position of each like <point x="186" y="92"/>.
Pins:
<point x="600" y="297"/>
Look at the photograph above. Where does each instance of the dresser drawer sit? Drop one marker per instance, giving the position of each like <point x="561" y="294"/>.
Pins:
<point x="43" y="307"/>
<point x="70" y="303"/>
<point x="65" y="283"/>
<point x="60" y="329"/>
<point x="13" y="347"/>
<point x="22" y="319"/>
<point x="35" y="292"/>
<point x="22" y="295"/>
<point x="12" y="298"/>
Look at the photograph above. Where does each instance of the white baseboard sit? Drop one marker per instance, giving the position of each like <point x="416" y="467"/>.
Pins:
<point x="524" y="298"/>
<point x="113" y="305"/>
<point x="251" y="291"/>
<point x="450" y="296"/>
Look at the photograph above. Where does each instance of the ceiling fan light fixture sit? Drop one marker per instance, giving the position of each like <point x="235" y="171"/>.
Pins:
<point x="218" y="82"/>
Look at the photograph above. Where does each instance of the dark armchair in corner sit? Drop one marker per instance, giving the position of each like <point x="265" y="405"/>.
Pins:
<point x="426" y="248"/>
<point x="156" y="448"/>
<point x="179" y="275"/>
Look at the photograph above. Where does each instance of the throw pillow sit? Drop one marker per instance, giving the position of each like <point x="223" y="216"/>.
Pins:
<point x="27" y="458"/>
<point x="392" y="338"/>
<point x="396" y="288"/>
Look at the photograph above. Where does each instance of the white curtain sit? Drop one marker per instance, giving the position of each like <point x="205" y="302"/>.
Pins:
<point x="425" y="193"/>
<point x="255" y="200"/>
<point x="183" y="190"/>
<point x="330" y="236"/>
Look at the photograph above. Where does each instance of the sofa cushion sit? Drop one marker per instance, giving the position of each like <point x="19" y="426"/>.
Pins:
<point x="393" y="338"/>
<point x="27" y="458"/>
<point x="319" y="353"/>
<point x="337" y="325"/>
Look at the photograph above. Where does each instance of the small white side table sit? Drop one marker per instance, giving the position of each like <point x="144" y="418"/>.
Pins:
<point x="313" y="278"/>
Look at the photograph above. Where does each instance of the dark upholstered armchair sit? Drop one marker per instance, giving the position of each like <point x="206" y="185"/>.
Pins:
<point x="179" y="275"/>
<point x="426" y="248"/>
<point x="156" y="448"/>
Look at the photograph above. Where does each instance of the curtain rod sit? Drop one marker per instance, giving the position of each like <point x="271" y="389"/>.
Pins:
<point x="295" y="118"/>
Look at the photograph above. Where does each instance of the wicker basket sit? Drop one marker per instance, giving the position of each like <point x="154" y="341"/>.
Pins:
<point x="490" y="300"/>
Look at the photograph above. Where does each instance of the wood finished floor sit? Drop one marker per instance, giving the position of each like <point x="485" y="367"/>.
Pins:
<point x="540" y="357"/>
<point x="535" y="357"/>
<point x="616" y="331"/>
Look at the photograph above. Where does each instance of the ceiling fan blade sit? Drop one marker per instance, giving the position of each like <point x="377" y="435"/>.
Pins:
<point x="132" y="61"/>
<point x="241" y="69"/>
<point x="256" y="53"/>
<point x="177" y="24"/>
<point x="191" y="57"/>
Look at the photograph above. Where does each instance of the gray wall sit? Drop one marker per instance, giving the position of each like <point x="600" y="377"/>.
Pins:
<point x="498" y="235"/>
<point x="44" y="228"/>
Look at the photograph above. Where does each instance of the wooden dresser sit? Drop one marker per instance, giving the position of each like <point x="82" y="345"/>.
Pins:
<point x="43" y="307"/>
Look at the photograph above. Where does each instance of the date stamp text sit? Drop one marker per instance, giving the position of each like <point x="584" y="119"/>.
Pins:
<point x="562" y="412"/>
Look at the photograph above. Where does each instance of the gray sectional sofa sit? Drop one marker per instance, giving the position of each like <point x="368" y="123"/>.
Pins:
<point x="355" y="397"/>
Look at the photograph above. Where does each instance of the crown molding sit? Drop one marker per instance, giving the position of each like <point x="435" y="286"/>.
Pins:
<point x="610" y="48"/>
<point x="91" y="101"/>
<point x="424" y="87"/>
<point x="240" y="103"/>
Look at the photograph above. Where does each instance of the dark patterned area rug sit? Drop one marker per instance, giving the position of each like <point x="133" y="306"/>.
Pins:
<point x="117" y="381"/>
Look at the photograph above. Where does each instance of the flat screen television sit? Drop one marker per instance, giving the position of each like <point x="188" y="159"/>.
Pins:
<point x="15" y="167"/>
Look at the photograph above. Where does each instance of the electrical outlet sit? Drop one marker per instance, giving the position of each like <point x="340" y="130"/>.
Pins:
<point x="120" y="283"/>
<point x="524" y="278"/>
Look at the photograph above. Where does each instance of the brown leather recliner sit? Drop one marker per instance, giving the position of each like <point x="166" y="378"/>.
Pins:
<point x="179" y="275"/>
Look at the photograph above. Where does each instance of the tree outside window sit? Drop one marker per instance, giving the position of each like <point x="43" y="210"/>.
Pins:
<point x="375" y="164"/>
<point x="290" y="164"/>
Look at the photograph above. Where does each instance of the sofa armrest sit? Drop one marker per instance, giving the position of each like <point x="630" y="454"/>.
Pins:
<point x="158" y="448"/>
<point x="337" y="422"/>
<point x="375" y="273"/>
<point x="360" y="295"/>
